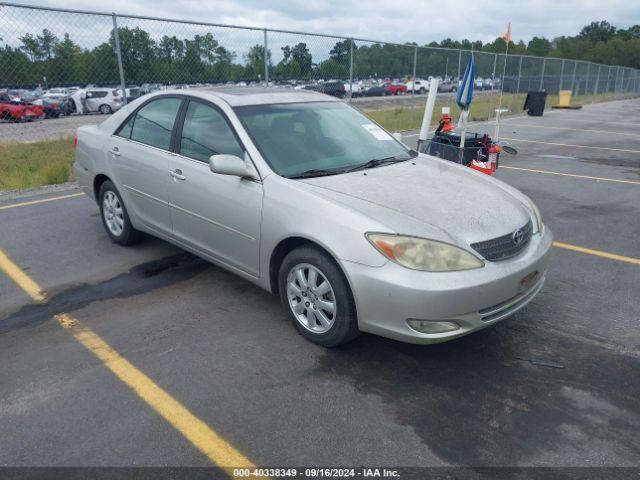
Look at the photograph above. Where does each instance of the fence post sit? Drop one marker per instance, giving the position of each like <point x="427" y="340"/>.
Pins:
<point x="266" y="59"/>
<point x="573" y="78"/>
<point x="544" y="66"/>
<point x="561" y="75"/>
<point x="595" y="88"/>
<point x="351" y="70"/>
<point x="586" y="82"/>
<point x="615" y="83"/>
<point x="495" y="62"/>
<point x="116" y="37"/>
<point x="459" y="63"/>
<point x="519" y="75"/>
<point x="415" y="64"/>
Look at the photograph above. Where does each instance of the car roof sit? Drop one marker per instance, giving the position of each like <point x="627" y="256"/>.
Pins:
<point x="242" y="96"/>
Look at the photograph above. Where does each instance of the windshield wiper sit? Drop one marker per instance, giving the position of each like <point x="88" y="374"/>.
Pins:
<point x="315" y="172"/>
<point x="376" y="162"/>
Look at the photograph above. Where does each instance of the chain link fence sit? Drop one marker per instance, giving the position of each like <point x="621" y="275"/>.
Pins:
<point x="58" y="50"/>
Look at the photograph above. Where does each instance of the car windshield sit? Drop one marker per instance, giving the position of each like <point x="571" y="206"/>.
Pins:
<point x="318" y="137"/>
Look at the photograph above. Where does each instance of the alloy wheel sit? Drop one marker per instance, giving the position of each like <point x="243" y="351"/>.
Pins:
<point x="311" y="298"/>
<point x="113" y="213"/>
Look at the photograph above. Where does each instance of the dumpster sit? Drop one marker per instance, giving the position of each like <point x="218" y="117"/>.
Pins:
<point x="535" y="102"/>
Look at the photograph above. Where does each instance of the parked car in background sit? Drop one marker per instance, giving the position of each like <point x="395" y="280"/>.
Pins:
<point x="447" y="85"/>
<point x="133" y="93"/>
<point x="335" y="89"/>
<point x="418" y="86"/>
<point x="354" y="87"/>
<point x="12" y="110"/>
<point x="479" y="83"/>
<point x="298" y="194"/>
<point x="103" y="100"/>
<point x="377" y="91"/>
<point x="487" y="84"/>
<point x="396" y="88"/>
<point x="53" y="105"/>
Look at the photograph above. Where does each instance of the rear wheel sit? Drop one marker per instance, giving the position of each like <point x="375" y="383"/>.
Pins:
<point x="317" y="297"/>
<point x="104" y="109"/>
<point x="422" y="91"/>
<point x="115" y="217"/>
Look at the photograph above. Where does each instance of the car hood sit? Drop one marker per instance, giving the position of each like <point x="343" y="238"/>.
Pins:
<point x="429" y="197"/>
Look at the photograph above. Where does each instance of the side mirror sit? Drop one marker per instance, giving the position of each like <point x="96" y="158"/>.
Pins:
<point x="398" y="136"/>
<point x="232" y="165"/>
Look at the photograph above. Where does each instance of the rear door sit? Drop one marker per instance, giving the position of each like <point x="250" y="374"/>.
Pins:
<point x="139" y="155"/>
<point x="219" y="215"/>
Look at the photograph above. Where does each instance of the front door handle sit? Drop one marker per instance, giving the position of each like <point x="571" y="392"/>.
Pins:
<point x="115" y="151"/>
<point x="177" y="174"/>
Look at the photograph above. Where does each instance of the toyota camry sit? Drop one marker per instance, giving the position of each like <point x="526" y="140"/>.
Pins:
<point x="308" y="198"/>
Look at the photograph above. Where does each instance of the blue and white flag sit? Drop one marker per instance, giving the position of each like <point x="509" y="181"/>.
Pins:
<point x="465" y="91"/>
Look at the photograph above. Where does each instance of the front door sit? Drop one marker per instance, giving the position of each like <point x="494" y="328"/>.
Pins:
<point x="219" y="215"/>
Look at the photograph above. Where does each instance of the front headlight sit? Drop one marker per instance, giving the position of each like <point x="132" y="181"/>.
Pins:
<point x="423" y="254"/>
<point x="536" y="211"/>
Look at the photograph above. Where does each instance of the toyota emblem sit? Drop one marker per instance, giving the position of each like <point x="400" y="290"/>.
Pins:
<point x="518" y="237"/>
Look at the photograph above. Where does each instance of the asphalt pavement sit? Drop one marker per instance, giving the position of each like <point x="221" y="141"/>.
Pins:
<point x="555" y="385"/>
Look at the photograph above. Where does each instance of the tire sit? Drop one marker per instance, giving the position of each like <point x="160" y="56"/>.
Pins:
<point x="105" y="109"/>
<point x="454" y="89"/>
<point x="422" y="91"/>
<point x="114" y="214"/>
<point x="338" y="327"/>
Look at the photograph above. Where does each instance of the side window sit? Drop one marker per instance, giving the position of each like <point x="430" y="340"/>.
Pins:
<point x="125" y="130"/>
<point x="153" y="122"/>
<point x="206" y="132"/>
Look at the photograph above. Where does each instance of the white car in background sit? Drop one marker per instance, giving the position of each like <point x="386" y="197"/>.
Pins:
<point x="420" y="86"/>
<point x="355" y="88"/>
<point x="103" y="100"/>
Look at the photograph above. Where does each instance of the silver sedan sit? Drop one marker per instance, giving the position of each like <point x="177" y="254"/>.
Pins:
<point x="306" y="197"/>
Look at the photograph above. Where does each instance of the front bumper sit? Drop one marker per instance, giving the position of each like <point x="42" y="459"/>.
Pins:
<point x="389" y="295"/>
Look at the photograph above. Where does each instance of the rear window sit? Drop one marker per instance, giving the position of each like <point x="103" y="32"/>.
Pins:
<point x="153" y="123"/>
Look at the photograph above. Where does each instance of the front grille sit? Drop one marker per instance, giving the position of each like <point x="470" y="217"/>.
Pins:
<point x="504" y="247"/>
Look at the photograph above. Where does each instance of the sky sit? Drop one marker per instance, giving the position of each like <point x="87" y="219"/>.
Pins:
<point x="389" y="20"/>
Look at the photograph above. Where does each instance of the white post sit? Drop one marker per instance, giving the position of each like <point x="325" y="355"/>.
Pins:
<point x="428" y="111"/>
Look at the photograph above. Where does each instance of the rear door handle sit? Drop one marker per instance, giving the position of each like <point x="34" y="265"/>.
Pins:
<point x="177" y="174"/>
<point x="115" y="151"/>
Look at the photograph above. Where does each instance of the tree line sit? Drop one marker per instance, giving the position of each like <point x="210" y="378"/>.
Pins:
<point x="203" y="59"/>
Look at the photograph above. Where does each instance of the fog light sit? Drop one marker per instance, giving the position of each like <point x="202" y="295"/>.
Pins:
<point x="428" y="326"/>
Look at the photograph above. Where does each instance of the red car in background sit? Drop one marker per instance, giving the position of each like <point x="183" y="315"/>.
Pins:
<point x="397" y="88"/>
<point x="18" y="111"/>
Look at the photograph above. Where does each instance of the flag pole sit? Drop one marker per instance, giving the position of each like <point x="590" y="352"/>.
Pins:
<point x="463" y="120"/>
<point x="504" y="71"/>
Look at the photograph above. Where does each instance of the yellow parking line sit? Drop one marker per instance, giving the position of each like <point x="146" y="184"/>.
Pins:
<point x="597" y="253"/>
<point x="44" y="200"/>
<point x="205" y="439"/>
<point x="608" y="132"/>
<point x="571" y="145"/>
<point x="604" y="179"/>
<point x="23" y="280"/>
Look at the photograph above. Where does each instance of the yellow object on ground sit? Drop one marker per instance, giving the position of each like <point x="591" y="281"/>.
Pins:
<point x="564" y="100"/>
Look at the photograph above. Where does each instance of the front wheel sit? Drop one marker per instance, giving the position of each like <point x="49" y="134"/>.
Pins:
<point x="115" y="217"/>
<point x="422" y="91"/>
<point x="105" y="109"/>
<point x="317" y="298"/>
